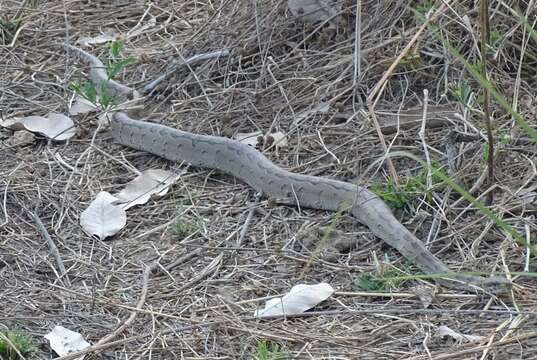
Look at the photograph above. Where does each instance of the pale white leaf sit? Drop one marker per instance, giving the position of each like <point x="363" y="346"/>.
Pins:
<point x="300" y="298"/>
<point x="54" y="126"/>
<point x="149" y="182"/>
<point x="315" y="11"/>
<point x="99" y="39"/>
<point x="248" y="138"/>
<point x="64" y="341"/>
<point x="280" y="139"/>
<point x="103" y="217"/>
<point x="82" y="106"/>
<point x="446" y="331"/>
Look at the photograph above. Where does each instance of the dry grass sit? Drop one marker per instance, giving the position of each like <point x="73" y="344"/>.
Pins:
<point x="278" y="69"/>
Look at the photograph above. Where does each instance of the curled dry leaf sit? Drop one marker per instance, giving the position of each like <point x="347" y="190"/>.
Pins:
<point x="446" y="331"/>
<point x="300" y="298"/>
<point x="54" y="126"/>
<point x="148" y="183"/>
<point x="64" y="341"/>
<point x="102" y="217"/>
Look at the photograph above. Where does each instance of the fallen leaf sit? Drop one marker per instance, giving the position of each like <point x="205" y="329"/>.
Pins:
<point x="64" y="341"/>
<point x="315" y="11"/>
<point x="280" y="139"/>
<point x="82" y="106"/>
<point x="446" y="331"/>
<point x="148" y="183"/>
<point x="54" y="126"/>
<point x="103" y="217"/>
<point x="248" y="138"/>
<point x="300" y="298"/>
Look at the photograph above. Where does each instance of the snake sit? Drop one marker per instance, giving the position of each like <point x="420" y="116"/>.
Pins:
<point x="287" y="188"/>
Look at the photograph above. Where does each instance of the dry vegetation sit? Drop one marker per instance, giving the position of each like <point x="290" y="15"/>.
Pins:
<point x="279" y="68"/>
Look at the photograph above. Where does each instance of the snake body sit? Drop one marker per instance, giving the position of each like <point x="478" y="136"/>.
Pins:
<point x="250" y="166"/>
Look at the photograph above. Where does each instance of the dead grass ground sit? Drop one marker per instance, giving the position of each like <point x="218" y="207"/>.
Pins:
<point x="279" y="69"/>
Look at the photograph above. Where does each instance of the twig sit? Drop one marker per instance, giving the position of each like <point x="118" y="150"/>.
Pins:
<point x="178" y="64"/>
<point x="213" y="266"/>
<point x="134" y="313"/>
<point x="246" y="225"/>
<point x="422" y="137"/>
<point x="4" y="207"/>
<point x="51" y="245"/>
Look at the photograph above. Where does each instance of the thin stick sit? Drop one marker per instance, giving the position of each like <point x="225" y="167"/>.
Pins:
<point x="422" y="137"/>
<point x="246" y="225"/>
<point x="51" y="245"/>
<point x="134" y="313"/>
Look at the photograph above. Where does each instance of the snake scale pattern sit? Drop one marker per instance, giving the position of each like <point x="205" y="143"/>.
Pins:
<point x="250" y="166"/>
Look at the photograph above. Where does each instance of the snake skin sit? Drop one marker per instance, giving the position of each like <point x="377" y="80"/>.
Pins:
<point x="249" y="165"/>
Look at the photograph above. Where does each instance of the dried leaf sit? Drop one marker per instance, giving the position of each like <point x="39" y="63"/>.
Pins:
<point x="301" y="298"/>
<point x="82" y="106"/>
<point x="446" y="331"/>
<point x="54" y="126"/>
<point x="64" y="341"/>
<point x="280" y="139"/>
<point x="148" y="183"/>
<point x="102" y="217"/>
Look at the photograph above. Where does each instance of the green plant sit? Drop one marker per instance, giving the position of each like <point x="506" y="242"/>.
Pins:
<point x="398" y="197"/>
<point x="423" y="7"/>
<point x="461" y="93"/>
<point x="499" y="222"/>
<point x="185" y="226"/>
<point x="266" y="350"/>
<point x="116" y="62"/>
<point x="14" y="343"/>
<point x="98" y="94"/>
<point x="8" y="29"/>
<point x="387" y="278"/>
<point x="476" y="73"/>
